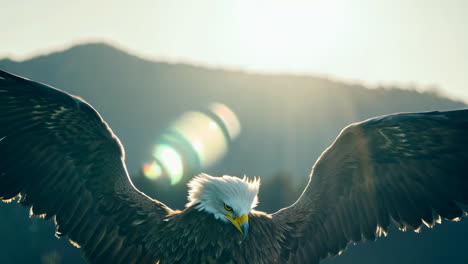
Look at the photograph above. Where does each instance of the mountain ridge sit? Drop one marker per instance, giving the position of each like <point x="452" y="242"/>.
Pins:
<point x="106" y="46"/>
<point x="285" y="107"/>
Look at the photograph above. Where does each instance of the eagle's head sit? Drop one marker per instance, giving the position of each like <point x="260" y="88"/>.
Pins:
<point x="229" y="199"/>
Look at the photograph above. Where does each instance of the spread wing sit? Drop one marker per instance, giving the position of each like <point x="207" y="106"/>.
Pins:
<point x="409" y="169"/>
<point x="62" y="160"/>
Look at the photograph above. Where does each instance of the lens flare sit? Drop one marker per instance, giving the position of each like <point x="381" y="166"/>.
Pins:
<point x="193" y="142"/>
<point x="228" y="117"/>
<point x="208" y="141"/>
<point x="152" y="170"/>
<point x="171" y="161"/>
<point x="198" y="146"/>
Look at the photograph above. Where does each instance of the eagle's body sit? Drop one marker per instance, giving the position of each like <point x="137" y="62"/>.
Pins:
<point x="60" y="158"/>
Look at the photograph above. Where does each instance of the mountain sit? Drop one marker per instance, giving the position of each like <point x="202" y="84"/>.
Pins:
<point x="287" y="121"/>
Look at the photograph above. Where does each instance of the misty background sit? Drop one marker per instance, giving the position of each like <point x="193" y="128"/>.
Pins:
<point x="423" y="42"/>
<point x="287" y="121"/>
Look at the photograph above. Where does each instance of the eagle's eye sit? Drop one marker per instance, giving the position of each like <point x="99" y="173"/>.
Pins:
<point x="227" y="207"/>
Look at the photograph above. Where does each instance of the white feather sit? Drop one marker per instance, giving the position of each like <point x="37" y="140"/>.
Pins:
<point x="208" y="193"/>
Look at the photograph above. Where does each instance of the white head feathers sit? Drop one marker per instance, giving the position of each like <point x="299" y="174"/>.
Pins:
<point x="210" y="194"/>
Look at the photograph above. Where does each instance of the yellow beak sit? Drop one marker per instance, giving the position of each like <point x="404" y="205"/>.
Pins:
<point x="241" y="223"/>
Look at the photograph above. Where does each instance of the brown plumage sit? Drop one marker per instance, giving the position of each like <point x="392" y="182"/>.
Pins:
<point x="60" y="158"/>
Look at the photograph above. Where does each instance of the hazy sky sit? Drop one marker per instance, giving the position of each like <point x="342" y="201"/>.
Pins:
<point x="409" y="42"/>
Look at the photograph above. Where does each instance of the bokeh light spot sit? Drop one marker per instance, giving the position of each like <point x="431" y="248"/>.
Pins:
<point x="213" y="126"/>
<point x="152" y="170"/>
<point x="198" y="146"/>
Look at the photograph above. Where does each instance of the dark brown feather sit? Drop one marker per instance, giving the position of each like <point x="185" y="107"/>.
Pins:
<point x="405" y="167"/>
<point x="60" y="157"/>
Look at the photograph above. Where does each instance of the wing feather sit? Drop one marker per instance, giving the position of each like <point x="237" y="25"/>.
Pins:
<point x="410" y="168"/>
<point x="62" y="160"/>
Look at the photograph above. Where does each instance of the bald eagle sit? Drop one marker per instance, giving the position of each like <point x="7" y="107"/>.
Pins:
<point x="59" y="157"/>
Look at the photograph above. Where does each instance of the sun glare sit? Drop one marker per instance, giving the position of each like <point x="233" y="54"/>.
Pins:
<point x="280" y="31"/>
